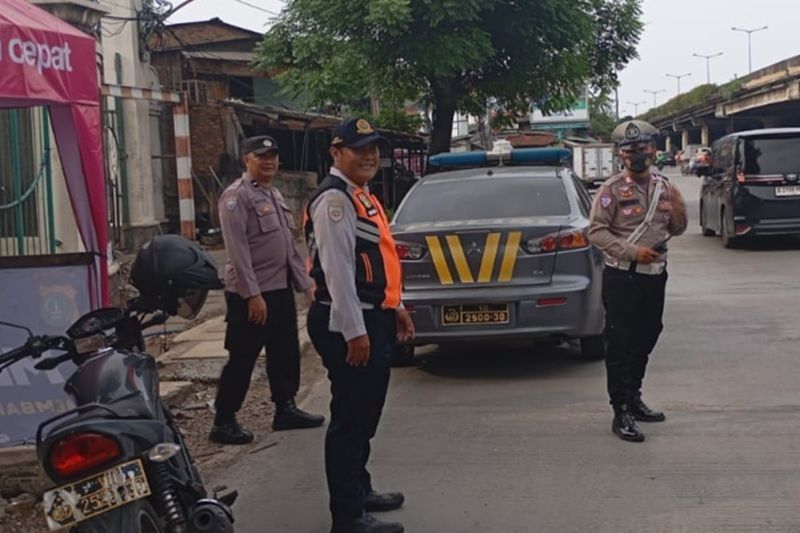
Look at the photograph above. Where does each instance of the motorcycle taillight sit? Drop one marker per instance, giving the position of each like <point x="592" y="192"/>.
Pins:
<point x="81" y="452"/>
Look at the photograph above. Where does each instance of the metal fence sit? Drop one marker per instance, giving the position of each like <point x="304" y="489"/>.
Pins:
<point x="27" y="225"/>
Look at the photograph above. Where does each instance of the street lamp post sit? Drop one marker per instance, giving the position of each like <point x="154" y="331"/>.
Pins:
<point x="750" y="43"/>
<point x="655" y="93"/>
<point x="636" y="107"/>
<point x="708" y="63"/>
<point x="678" y="77"/>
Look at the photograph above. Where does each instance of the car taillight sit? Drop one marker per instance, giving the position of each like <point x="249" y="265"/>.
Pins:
<point x="573" y="240"/>
<point x="81" y="452"/>
<point x="568" y="240"/>
<point x="410" y="251"/>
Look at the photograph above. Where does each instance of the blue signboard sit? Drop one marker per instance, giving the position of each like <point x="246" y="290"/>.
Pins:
<point x="45" y="294"/>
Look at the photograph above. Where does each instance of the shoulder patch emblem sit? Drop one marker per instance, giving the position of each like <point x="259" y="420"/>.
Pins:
<point x="230" y="205"/>
<point x="336" y="212"/>
<point x="605" y="200"/>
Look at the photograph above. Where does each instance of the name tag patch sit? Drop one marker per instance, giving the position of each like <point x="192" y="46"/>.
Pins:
<point x="263" y="209"/>
<point x="367" y="203"/>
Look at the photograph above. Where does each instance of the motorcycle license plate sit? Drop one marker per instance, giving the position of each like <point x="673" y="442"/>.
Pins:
<point x="69" y="504"/>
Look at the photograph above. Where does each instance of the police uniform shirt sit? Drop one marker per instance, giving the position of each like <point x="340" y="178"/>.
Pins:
<point x="257" y="227"/>
<point x="334" y="218"/>
<point x="620" y="206"/>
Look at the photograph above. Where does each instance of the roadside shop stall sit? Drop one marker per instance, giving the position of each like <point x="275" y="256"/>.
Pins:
<point x="46" y="63"/>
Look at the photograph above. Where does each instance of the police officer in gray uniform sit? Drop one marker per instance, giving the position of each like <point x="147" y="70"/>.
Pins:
<point x="264" y="264"/>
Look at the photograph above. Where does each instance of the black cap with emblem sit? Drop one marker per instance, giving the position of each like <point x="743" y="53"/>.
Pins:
<point x="259" y="145"/>
<point x="356" y="133"/>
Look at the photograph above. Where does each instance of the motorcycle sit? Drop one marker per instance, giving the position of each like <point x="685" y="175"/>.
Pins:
<point x="118" y="459"/>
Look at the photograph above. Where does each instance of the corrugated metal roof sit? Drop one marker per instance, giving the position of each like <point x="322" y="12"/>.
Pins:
<point x="243" y="57"/>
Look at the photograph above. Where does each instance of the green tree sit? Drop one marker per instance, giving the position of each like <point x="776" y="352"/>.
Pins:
<point x="602" y="116"/>
<point x="456" y="54"/>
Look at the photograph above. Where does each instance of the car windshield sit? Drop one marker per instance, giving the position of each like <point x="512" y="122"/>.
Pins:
<point x="485" y="198"/>
<point x="772" y="155"/>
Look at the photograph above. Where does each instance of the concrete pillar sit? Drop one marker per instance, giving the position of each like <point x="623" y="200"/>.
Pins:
<point x="684" y="139"/>
<point x="668" y="147"/>
<point x="704" y="136"/>
<point x="183" y="159"/>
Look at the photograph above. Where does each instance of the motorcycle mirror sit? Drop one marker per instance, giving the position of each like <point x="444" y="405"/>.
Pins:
<point x="17" y="326"/>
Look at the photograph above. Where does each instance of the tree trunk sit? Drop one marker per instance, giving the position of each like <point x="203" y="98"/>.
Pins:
<point x="444" y="109"/>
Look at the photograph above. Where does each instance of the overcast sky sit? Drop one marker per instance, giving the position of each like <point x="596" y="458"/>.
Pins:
<point x="674" y="30"/>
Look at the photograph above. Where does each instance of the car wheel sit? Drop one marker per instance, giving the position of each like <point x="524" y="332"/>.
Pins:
<point x="593" y="348"/>
<point x="729" y="241"/>
<point x="706" y="231"/>
<point x="403" y="355"/>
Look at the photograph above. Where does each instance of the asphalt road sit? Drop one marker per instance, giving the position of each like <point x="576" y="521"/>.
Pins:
<point x="517" y="438"/>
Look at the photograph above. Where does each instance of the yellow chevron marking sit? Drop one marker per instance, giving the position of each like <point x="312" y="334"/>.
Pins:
<point x="439" y="261"/>
<point x="460" y="260"/>
<point x="489" y="255"/>
<point x="510" y="256"/>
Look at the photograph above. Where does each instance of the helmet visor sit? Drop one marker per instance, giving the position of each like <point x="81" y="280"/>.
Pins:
<point x="190" y="301"/>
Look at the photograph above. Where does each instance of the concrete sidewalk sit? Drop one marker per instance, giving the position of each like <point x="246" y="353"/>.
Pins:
<point x="202" y="348"/>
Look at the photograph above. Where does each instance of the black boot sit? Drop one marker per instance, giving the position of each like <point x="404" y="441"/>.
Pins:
<point x="643" y="413"/>
<point x="230" y="433"/>
<point x="383" y="501"/>
<point x="289" y="416"/>
<point x="623" y="426"/>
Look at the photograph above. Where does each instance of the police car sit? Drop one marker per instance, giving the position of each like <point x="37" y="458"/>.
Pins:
<point x="494" y="246"/>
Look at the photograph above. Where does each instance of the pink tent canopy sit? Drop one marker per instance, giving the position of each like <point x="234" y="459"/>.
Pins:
<point x="46" y="62"/>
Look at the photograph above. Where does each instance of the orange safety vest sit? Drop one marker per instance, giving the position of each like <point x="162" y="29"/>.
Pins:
<point x="378" y="270"/>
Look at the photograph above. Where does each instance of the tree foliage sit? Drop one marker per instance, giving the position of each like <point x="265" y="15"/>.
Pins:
<point x="602" y="115"/>
<point x="456" y="54"/>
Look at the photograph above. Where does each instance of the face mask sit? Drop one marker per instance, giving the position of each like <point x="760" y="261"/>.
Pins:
<point x="639" y="162"/>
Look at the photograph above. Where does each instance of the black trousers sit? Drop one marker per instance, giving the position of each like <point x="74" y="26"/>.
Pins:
<point x="634" y="307"/>
<point x="244" y="342"/>
<point x="358" y="395"/>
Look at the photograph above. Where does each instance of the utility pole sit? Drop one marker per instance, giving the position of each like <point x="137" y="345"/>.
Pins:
<point x="655" y="93"/>
<point x="750" y="43"/>
<point x="678" y="77"/>
<point x="708" y="63"/>
<point x="636" y="107"/>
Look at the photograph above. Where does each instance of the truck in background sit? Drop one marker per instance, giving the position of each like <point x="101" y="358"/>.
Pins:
<point x="593" y="162"/>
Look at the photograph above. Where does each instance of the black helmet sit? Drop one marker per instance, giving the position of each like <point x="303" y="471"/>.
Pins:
<point x="174" y="275"/>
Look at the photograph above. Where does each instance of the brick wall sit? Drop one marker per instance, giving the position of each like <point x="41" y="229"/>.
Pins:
<point x="207" y="124"/>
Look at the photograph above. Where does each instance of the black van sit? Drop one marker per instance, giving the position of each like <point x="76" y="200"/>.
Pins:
<point x="753" y="185"/>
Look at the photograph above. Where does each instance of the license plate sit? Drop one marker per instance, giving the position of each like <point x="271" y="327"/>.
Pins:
<point x="475" y="315"/>
<point x="789" y="190"/>
<point x="69" y="504"/>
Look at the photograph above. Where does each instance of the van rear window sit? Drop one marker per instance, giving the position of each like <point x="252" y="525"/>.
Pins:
<point x="772" y="155"/>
